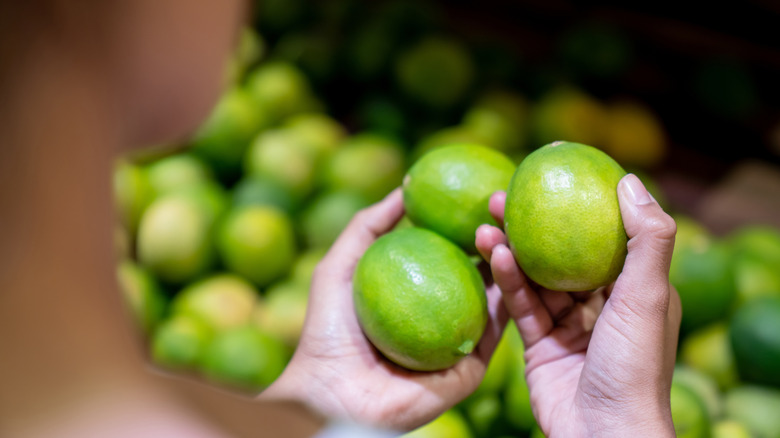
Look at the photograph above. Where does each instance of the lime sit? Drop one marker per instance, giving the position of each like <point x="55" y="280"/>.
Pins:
<point x="327" y="215"/>
<point x="756" y="407"/>
<point x="279" y="90"/>
<point x="320" y="132"/>
<point x="450" y="424"/>
<point x="756" y="252"/>
<point x="133" y="192"/>
<point x="703" y="386"/>
<point x="500" y="118"/>
<point x="448" y="189"/>
<point x="730" y="429"/>
<point x="284" y="157"/>
<point x="755" y="339"/>
<point x="177" y="171"/>
<point x="634" y="135"/>
<point x="483" y="412"/>
<point x="419" y="299"/>
<point x="517" y="399"/>
<point x="436" y="71"/>
<point x="563" y="220"/>
<point x="260" y="190"/>
<point x="175" y="238"/>
<point x="459" y="134"/>
<point x="283" y="311"/>
<point x="689" y="413"/>
<point x="244" y="357"/>
<point x="501" y="363"/>
<point x="250" y="49"/>
<point x="304" y="265"/>
<point x="567" y="113"/>
<point x="142" y="293"/>
<point x="220" y="301"/>
<point x="368" y="164"/>
<point x="708" y="350"/>
<point x="755" y="240"/>
<point x="179" y="342"/>
<point x="257" y="242"/>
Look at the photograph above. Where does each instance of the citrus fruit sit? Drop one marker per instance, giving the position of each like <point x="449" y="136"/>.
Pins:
<point x="368" y="164"/>
<point x="260" y="190"/>
<point x="244" y="357"/>
<point x="562" y="217"/>
<point x="755" y="407"/>
<point x="142" y="293"/>
<point x="756" y="252"/>
<point x="304" y="265"/>
<point x="688" y="413"/>
<point x="444" y="137"/>
<point x="327" y="215"/>
<point x="703" y="386"/>
<point x="448" y="189"/>
<point x="279" y="90"/>
<point x="419" y="299"/>
<point x="321" y="133"/>
<point x="221" y="301"/>
<point x="250" y="49"/>
<point x="133" y="192"/>
<point x="755" y="339"/>
<point x="567" y="113"/>
<point x="708" y="350"/>
<point x="517" y="398"/>
<point x="483" y="412"/>
<point x="177" y="171"/>
<point x="175" y="238"/>
<point x="283" y="311"/>
<point x="257" y="242"/>
<point x="730" y="429"/>
<point x="179" y="342"/>
<point x="500" y="118"/>
<point x="450" y="424"/>
<point x="634" y="136"/>
<point x="436" y="71"/>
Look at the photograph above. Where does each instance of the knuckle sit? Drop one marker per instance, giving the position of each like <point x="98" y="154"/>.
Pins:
<point x="661" y="226"/>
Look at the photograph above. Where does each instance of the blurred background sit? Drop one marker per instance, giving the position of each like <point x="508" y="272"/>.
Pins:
<point x="326" y="105"/>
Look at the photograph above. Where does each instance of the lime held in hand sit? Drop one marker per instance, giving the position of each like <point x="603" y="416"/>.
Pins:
<point x="419" y="299"/>
<point x="563" y="219"/>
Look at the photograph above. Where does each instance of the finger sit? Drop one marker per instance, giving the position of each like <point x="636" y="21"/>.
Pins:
<point x="496" y="207"/>
<point x="522" y="302"/>
<point x="487" y="237"/>
<point x="558" y="304"/>
<point x="643" y="286"/>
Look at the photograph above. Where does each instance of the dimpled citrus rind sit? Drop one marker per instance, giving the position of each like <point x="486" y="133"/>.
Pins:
<point x="447" y="190"/>
<point x="419" y="299"/>
<point x="563" y="219"/>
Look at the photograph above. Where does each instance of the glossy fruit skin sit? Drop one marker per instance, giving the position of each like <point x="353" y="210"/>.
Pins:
<point x="754" y="338"/>
<point x="419" y="299"/>
<point x="563" y="219"/>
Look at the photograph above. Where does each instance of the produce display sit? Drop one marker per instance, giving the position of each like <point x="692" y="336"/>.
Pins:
<point x="324" y="114"/>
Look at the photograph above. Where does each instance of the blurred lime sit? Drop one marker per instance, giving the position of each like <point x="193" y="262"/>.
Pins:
<point x="730" y="429"/>
<point x="450" y="424"/>
<point x="755" y="339"/>
<point x="261" y="190"/>
<point x="382" y="115"/>
<point x="179" y="342"/>
<point x="634" y="136"/>
<point x="304" y="265"/>
<point x="483" y="412"/>
<point x="283" y="311"/>
<point x="500" y="118"/>
<point x="327" y="215"/>
<point x="223" y="139"/>
<point x="244" y="357"/>
<point x="142" y="293"/>
<point x="177" y="171"/>
<point x="367" y="164"/>
<point x="133" y="192"/>
<point x="220" y="301"/>
<point x="708" y="350"/>
<point x="313" y="50"/>
<point x="175" y="238"/>
<point x="447" y="190"/>
<point x="210" y="195"/>
<point x="756" y="257"/>
<point x="279" y="90"/>
<point x="501" y="362"/>
<point x="437" y="71"/>
<point x="257" y="242"/>
<point x="703" y="386"/>
<point x="689" y="413"/>
<point x="758" y="241"/>
<point x="517" y="398"/>
<point x="282" y="156"/>
<point x="251" y="48"/>
<point x="756" y="408"/>
<point x="320" y="132"/>
<point x="459" y="134"/>
<point x="569" y="114"/>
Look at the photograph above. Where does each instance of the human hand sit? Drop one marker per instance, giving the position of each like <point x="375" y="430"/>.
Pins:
<point x="601" y="363"/>
<point x="337" y="371"/>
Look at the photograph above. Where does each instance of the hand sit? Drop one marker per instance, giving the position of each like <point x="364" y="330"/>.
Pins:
<point x="338" y="372"/>
<point x="601" y="363"/>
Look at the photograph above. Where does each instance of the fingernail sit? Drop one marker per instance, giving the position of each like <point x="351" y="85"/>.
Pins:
<point x="636" y="190"/>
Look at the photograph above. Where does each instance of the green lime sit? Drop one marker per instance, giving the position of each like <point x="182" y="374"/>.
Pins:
<point x="179" y="342"/>
<point x="756" y="252"/>
<point x="279" y="90"/>
<point x="142" y="293"/>
<point x="567" y="113"/>
<point x="175" y="238"/>
<point x="419" y="299"/>
<point x="368" y="164"/>
<point x="260" y="190"/>
<point x="708" y="350"/>
<point x="221" y="301"/>
<point x="703" y="386"/>
<point x="758" y="241"/>
<point x="499" y="117"/>
<point x="501" y="363"/>
<point x="304" y="265"/>
<point x="177" y="171"/>
<point x="283" y="311"/>
<point x="250" y="49"/>
<point x="756" y="407"/>
<point x="459" y="134"/>
<point x="257" y="242"/>
<point x="327" y="215"/>
<point x="448" y="189"/>
<point x="730" y="429"/>
<point x="436" y="71"/>
<point x="133" y="192"/>
<point x="483" y="412"/>
<point x="755" y="339"/>
<point x="563" y="219"/>
<point x="689" y="413"/>
<point x="320" y="132"/>
<point x="634" y="136"/>
<point x="450" y="424"/>
<point x="244" y="357"/>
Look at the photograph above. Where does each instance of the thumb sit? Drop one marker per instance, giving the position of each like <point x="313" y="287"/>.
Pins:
<point x="643" y="285"/>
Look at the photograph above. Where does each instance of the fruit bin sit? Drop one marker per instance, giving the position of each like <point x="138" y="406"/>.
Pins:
<point x="328" y="104"/>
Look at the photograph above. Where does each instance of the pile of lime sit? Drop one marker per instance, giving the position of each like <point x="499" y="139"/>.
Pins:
<point x="337" y="104"/>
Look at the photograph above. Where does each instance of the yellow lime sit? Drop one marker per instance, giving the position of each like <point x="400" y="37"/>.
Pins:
<point x="500" y="118"/>
<point x="283" y="311"/>
<point x="320" y="132"/>
<point x="179" y="342"/>
<point x="327" y="215"/>
<point x="142" y="293"/>
<point x="133" y="192"/>
<point x="419" y="299"/>
<point x="567" y="113"/>
<point x="279" y="90"/>
<point x="756" y="407"/>
<point x="730" y="429"/>
<point x="708" y="350"/>
<point x="450" y="424"/>
<point x="459" y="134"/>
<point x="304" y="265"/>
<point x="177" y="171"/>
<point x="634" y="135"/>
<point x="703" y="386"/>
<point x="562" y="217"/>
<point x="448" y="189"/>
<point x="220" y="301"/>
<point x="688" y="413"/>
